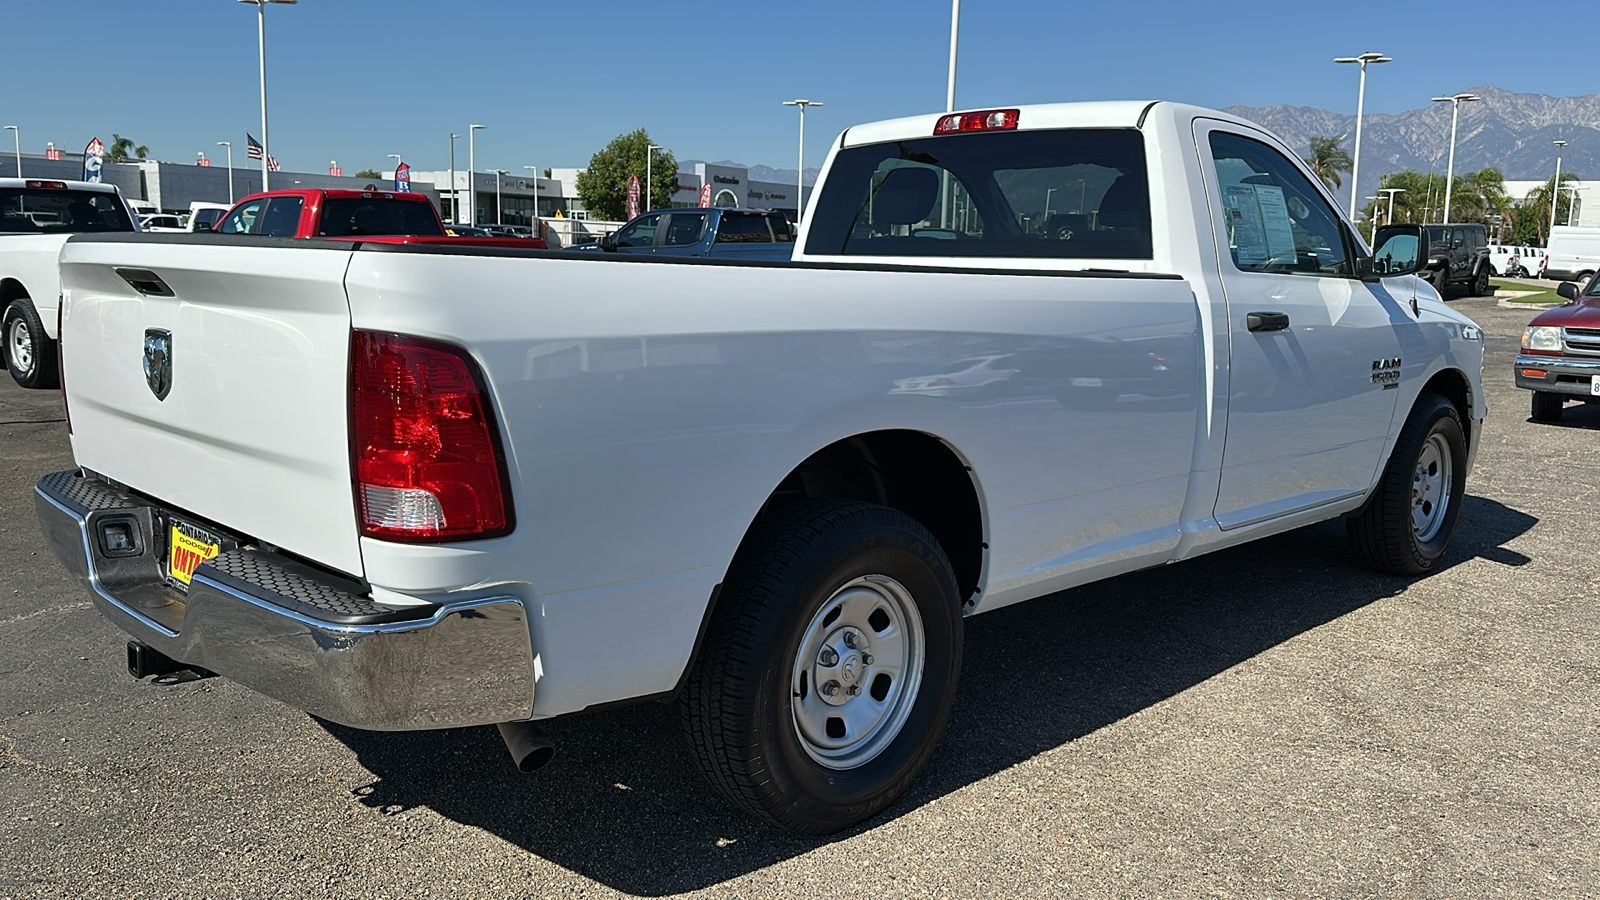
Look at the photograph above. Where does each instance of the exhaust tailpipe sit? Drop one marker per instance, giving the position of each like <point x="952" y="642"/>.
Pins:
<point x="530" y="747"/>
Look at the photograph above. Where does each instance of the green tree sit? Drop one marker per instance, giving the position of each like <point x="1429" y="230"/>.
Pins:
<point x="369" y="173"/>
<point x="122" y="148"/>
<point x="1538" y="204"/>
<point x="603" y="187"/>
<point x="1328" y="160"/>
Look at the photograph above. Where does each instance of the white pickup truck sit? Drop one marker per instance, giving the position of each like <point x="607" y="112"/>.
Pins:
<point x="1017" y="351"/>
<point x="36" y="218"/>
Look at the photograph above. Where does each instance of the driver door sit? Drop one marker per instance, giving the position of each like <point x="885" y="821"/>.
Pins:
<point x="639" y="236"/>
<point x="1307" y="418"/>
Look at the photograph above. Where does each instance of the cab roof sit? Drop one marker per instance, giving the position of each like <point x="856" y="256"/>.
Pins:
<point x="1042" y="117"/>
<point x="66" y="184"/>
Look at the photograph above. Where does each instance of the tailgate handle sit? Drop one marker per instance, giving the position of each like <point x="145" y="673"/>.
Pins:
<point x="146" y="282"/>
<point x="1267" y="321"/>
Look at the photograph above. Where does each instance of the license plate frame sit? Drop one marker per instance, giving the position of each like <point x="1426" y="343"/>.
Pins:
<point x="189" y="544"/>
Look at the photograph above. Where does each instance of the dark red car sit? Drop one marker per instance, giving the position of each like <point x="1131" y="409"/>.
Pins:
<point x="1560" y="358"/>
<point x="381" y="216"/>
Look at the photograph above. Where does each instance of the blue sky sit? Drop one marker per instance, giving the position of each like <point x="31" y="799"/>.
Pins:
<point x="354" y="80"/>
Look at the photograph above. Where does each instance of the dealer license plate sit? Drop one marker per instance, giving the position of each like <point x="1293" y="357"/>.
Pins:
<point x="187" y="547"/>
<point x="1594" y="385"/>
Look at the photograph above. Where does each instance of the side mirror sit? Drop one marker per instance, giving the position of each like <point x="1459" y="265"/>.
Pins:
<point x="1399" y="250"/>
<point x="1566" y="290"/>
<point x="609" y="242"/>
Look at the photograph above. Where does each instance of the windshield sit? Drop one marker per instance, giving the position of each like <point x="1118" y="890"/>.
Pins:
<point x="43" y="211"/>
<point x="376" y="216"/>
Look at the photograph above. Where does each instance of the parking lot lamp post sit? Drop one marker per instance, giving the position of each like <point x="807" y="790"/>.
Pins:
<point x="533" y="220"/>
<point x="455" y="195"/>
<point x="499" y="175"/>
<point x="800" y="176"/>
<point x="229" y="145"/>
<point x="1389" y="219"/>
<point x="472" y="172"/>
<point x="1361" y="100"/>
<point x="950" y="84"/>
<point x="1450" y="167"/>
<point x="261" y="38"/>
<point x="18" y="134"/>
<point x="649" y="159"/>
<point x="1555" y="187"/>
<point x="1373" y="221"/>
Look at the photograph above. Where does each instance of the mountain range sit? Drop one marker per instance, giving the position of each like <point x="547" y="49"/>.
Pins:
<point x="1511" y="132"/>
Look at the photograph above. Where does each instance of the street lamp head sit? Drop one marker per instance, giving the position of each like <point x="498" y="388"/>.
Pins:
<point x="1364" y="58"/>
<point x="476" y="127"/>
<point x="1557" y="143"/>
<point x="224" y="143"/>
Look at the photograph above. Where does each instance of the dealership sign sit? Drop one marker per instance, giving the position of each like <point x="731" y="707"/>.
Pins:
<point x="402" y="178"/>
<point x="633" y="196"/>
<point x="93" y="159"/>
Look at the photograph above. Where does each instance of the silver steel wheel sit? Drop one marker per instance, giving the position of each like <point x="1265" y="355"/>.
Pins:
<point x="19" y="345"/>
<point x="1430" y="488"/>
<point x="856" y="676"/>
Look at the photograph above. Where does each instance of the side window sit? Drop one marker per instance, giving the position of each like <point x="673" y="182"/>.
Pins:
<point x="642" y="233"/>
<point x="684" y="229"/>
<point x="1276" y="220"/>
<point x="781" y="232"/>
<point x="1459" y="239"/>
<point x="282" y="218"/>
<point x="743" y="228"/>
<point x="244" y="219"/>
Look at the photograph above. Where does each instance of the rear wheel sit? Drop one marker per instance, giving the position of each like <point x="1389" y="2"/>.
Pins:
<point x="1408" y="522"/>
<point x="1480" y="284"/>
<point x="1547" y="406"/>
<point x="29" y="352"/>
<point x="829" y="669"/>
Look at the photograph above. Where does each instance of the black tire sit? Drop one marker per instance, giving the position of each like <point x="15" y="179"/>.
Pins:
<point x="738" y="708"/>
<point x="1547" y="406"/>
<point x="21" y="322"/>
<point x="1480" y="284"/>
<point x="1383" y="533"/>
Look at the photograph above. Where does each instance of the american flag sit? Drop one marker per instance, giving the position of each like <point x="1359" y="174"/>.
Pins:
<point x="254" y="150"/>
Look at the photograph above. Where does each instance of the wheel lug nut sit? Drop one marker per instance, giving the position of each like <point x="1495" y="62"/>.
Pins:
<point x="866" y="659"/>
<point x="850" y="639"/>
<point x="828" y="657"/>
<point x="855" y="689"/>
<point x="830" y="688"/>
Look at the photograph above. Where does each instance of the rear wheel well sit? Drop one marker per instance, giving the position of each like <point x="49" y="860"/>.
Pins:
<point x="12" y="289"/>
<point x="909" y="471"/>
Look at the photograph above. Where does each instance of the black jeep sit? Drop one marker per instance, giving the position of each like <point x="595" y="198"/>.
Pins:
<point x="1458" y="254"/>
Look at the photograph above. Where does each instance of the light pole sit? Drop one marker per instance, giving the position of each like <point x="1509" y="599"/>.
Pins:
<point x="397" y="162"/>
<point x="1047" y="193"/>
<point x="1389" y="219"/>
<point x="261" y="38"/>
<point x="1450" y="168"/>
<point x="229" y="145"/>
<point x="1374" y="229"/>
<point x="800" y="177"/>
<point x="955" y="27"/>
<point x="455" y="195"/>
<point x="499" y="174"/>
<point x="472" y="173"/>
<point x="18" y="134"/>
<point x="649" y="183"/>
<point x="534" y="219"/>
<point x="1361" y="100"/>
<point x="1555" y="188"/>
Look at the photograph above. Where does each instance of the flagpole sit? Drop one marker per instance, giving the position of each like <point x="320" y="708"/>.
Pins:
<point x="266" y="140"/>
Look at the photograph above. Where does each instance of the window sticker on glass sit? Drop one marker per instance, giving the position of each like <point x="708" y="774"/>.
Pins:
<point x="1259" y="226"/>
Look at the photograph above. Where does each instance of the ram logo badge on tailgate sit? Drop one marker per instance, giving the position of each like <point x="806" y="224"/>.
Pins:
<point x="158" y="361"/>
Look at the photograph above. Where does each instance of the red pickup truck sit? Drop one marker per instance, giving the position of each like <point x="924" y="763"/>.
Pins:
<point x="379" y="216"/>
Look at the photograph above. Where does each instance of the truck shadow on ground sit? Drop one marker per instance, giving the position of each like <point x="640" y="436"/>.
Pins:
<point x="1583" y="416"/>
<point x="624" y="805"/>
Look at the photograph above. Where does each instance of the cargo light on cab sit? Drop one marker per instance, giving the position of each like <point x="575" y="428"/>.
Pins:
<point x="985" y="120"/>
<point x="425" y="451"/>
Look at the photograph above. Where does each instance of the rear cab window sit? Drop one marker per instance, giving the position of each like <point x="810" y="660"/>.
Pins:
<point x="1078" y="193"/>
<point x="377" y="216"/>
<point x="743" y="228"/>
<point x="44" y="210"/>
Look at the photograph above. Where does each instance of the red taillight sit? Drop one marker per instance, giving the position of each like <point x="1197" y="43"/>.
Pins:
<point x="425" y="450"/>
<point x="987" y="120"/>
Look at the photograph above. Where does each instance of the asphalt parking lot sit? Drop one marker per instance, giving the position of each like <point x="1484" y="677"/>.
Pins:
<point x="1270" y="721"/>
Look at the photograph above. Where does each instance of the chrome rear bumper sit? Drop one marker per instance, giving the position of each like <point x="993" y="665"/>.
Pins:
<point x="293" y="632"/>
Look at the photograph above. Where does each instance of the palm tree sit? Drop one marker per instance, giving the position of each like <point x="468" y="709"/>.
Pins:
<point x="1328" y="159"/>
<point x="121" y="148"/>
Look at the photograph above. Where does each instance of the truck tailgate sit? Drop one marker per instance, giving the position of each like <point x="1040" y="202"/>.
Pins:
<point x="252" y="431"/>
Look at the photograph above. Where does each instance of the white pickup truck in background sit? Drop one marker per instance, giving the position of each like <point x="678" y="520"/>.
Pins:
<point x="36" y="218"/>
<point x="1017" y="351"/>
